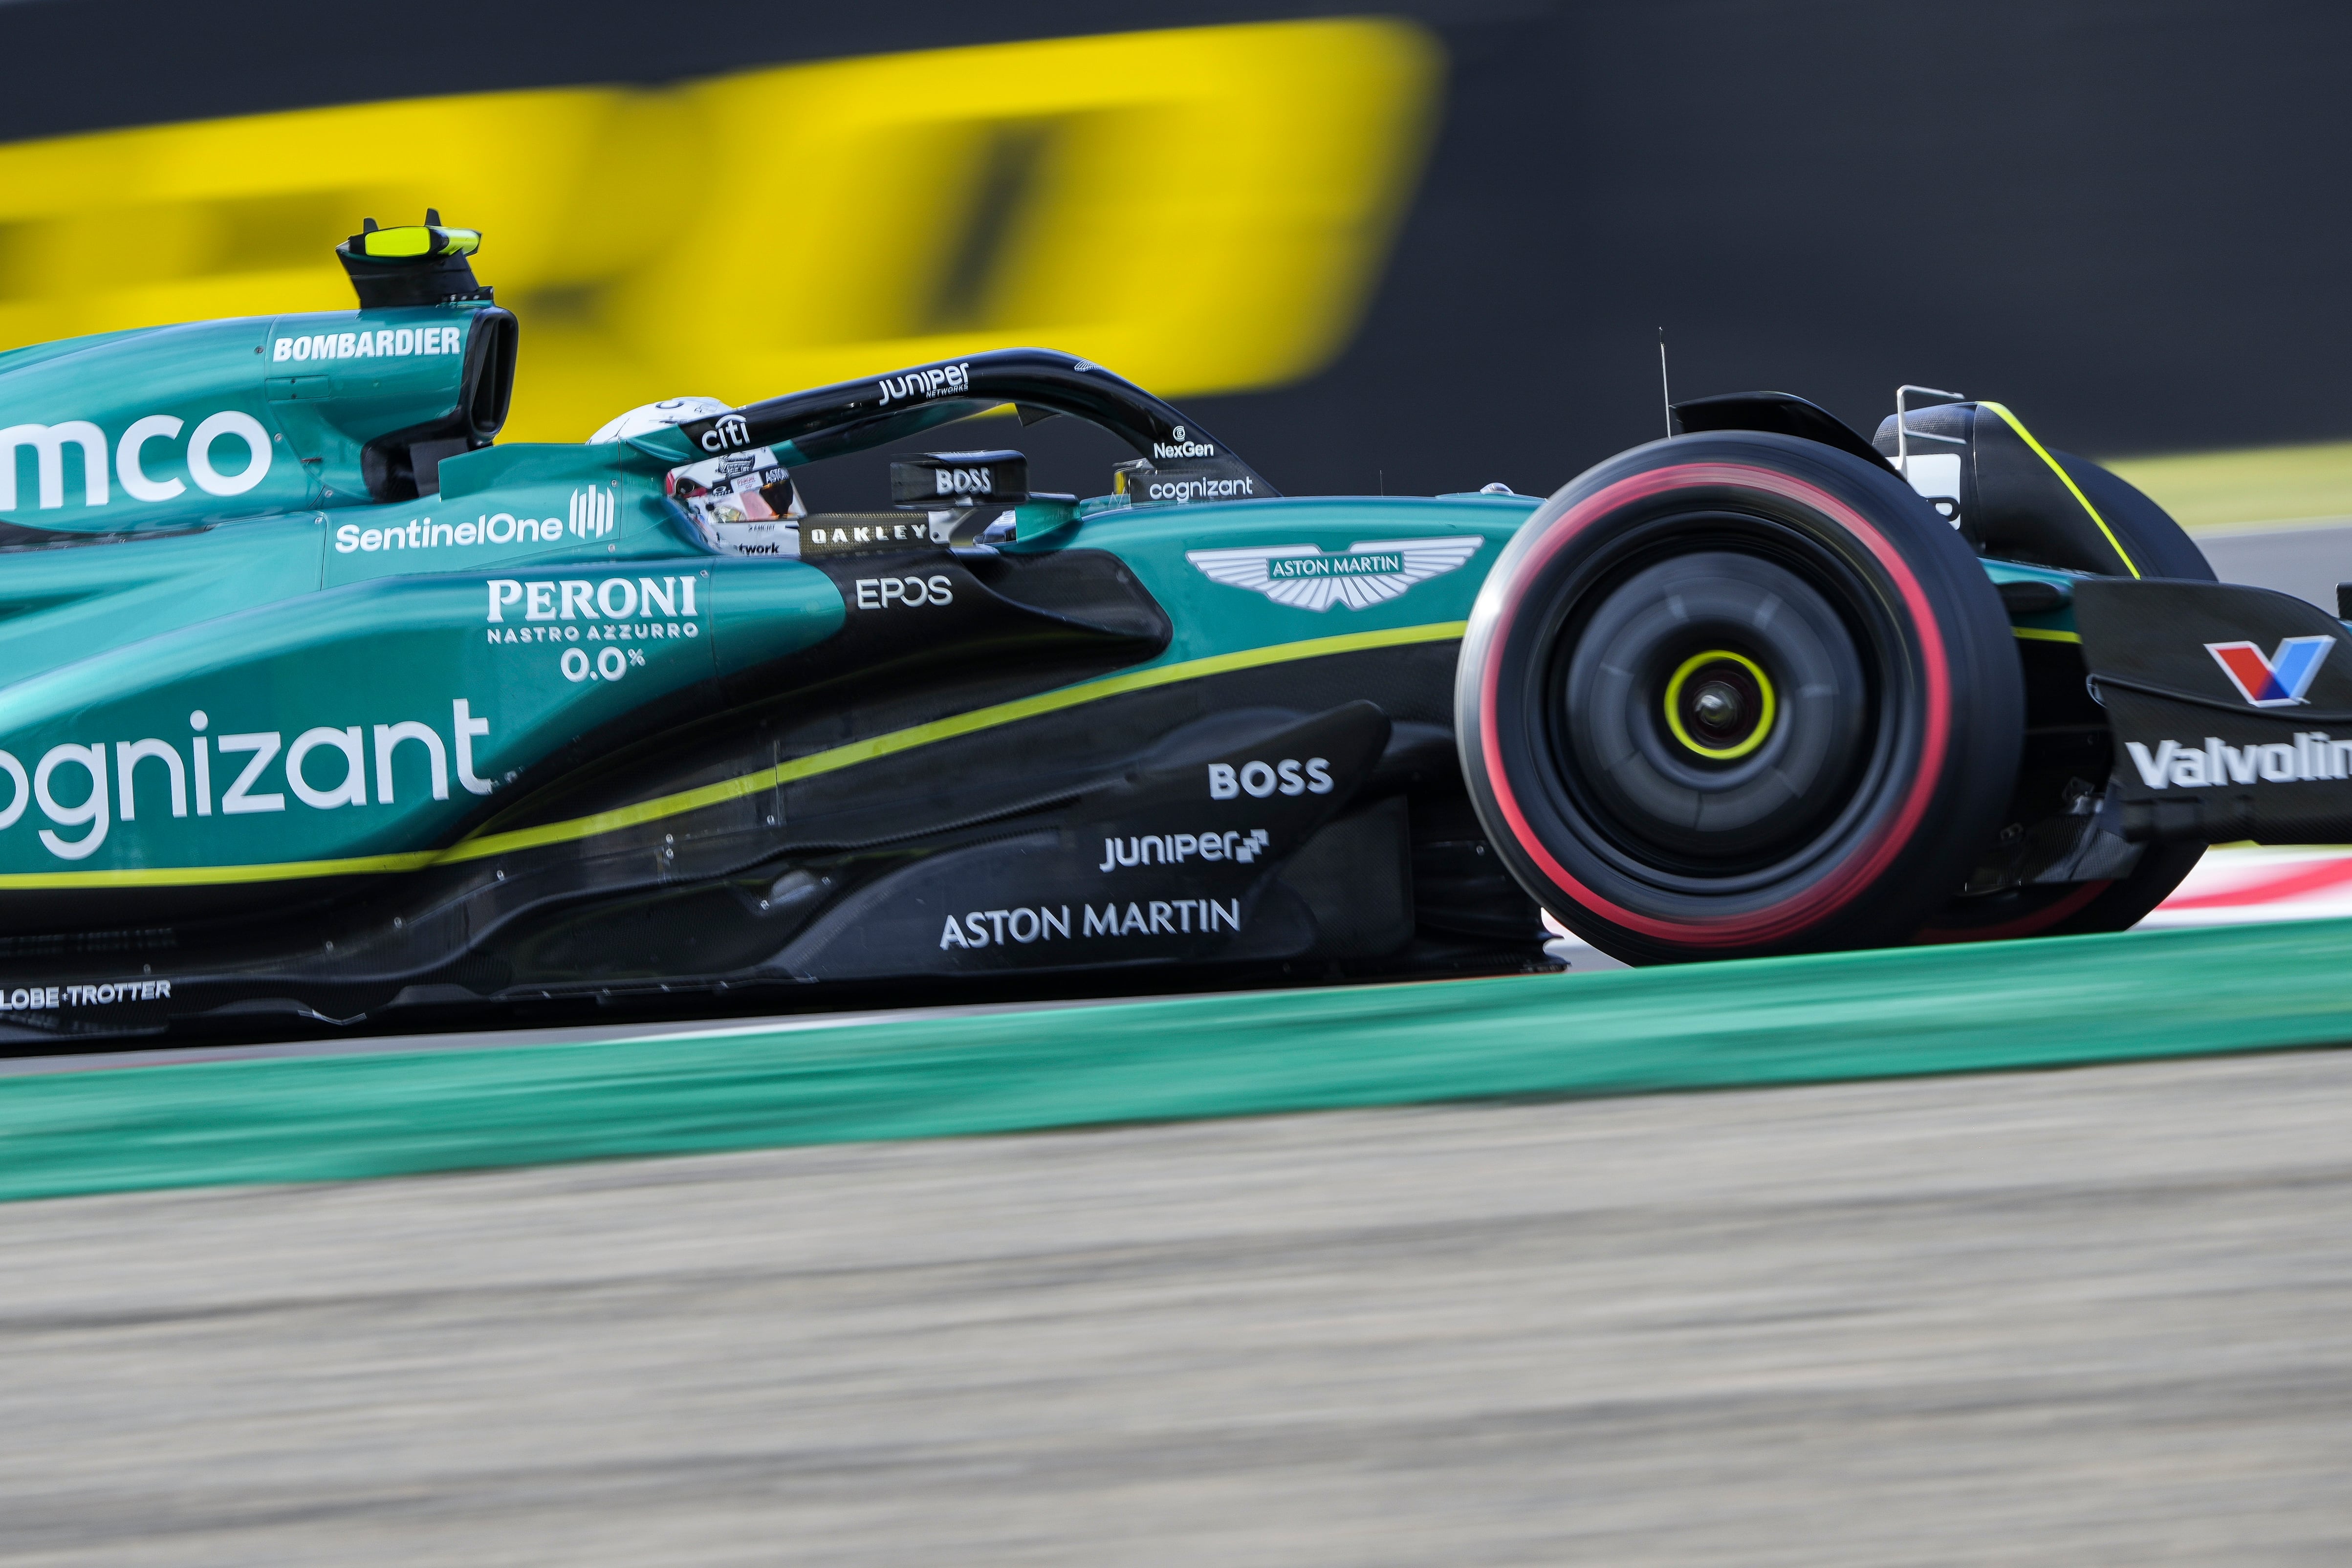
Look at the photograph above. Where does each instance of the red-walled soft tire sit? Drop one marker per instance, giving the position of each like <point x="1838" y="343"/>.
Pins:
<point x="1735" y="694"/>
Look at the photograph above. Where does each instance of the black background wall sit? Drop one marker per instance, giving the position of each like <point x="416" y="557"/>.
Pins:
<point x="2127" y="218"/>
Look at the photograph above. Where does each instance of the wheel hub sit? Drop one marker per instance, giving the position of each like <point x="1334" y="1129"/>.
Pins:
<point x="1713" y="714"/>
<point x="1720" y="705"/>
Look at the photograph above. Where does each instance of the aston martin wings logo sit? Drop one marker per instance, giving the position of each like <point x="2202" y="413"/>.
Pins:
<point x="1310" y="578"/>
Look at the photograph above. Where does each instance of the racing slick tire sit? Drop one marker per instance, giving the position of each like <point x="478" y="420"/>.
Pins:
<point x="1734" y="694"/>
<point x="2159" y="547"/>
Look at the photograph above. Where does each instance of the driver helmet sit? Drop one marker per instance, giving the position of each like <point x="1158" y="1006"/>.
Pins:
<point x="744" y="503"/>
<point x="655" y="415"/>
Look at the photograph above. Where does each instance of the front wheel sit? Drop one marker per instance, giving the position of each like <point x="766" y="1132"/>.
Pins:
<point x="1734" y="694"/>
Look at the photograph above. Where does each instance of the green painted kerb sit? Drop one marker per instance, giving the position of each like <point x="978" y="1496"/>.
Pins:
<point x="1933" y="1010"/>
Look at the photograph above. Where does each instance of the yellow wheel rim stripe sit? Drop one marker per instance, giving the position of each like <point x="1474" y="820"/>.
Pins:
<point x="1755" y="736"/>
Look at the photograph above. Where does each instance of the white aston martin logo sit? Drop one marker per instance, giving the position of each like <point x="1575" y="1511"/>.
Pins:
<point x="1307" y="577"/>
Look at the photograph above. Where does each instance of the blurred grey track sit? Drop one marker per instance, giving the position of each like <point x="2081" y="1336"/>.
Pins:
<point x="2101" y="1316"/>
<point x="2307" y="562"/>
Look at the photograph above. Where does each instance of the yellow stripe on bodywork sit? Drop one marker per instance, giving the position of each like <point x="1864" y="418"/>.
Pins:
<point x="2068" y="480"/>
<point x="2042" y="634"/>
<point x="833" y="760"/>
<point x="216" y="876"/>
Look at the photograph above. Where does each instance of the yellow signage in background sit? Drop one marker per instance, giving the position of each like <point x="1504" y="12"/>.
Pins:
<point x="1201" y="210"/>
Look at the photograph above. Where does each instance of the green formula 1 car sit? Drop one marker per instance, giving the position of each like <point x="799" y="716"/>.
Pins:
<point x="321" y="706"/>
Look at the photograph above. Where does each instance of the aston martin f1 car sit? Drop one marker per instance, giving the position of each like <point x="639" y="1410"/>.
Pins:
<point x="322" y="706"/>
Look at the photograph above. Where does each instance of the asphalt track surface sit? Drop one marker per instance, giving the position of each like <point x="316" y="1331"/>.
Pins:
<point x="2099" y="1316"/>
<point x="2083" y="1317"/>
<point x="2305" y="560"/>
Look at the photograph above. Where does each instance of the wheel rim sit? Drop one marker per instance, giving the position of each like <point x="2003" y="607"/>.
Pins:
<point x="1709" y="709"/>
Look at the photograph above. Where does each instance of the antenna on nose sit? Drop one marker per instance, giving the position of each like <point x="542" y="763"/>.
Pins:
<point x="1665" y="389"/>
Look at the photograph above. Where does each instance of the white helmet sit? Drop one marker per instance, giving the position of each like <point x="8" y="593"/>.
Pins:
<point x="744" y="503"/>
<point x="657" y="416"/>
